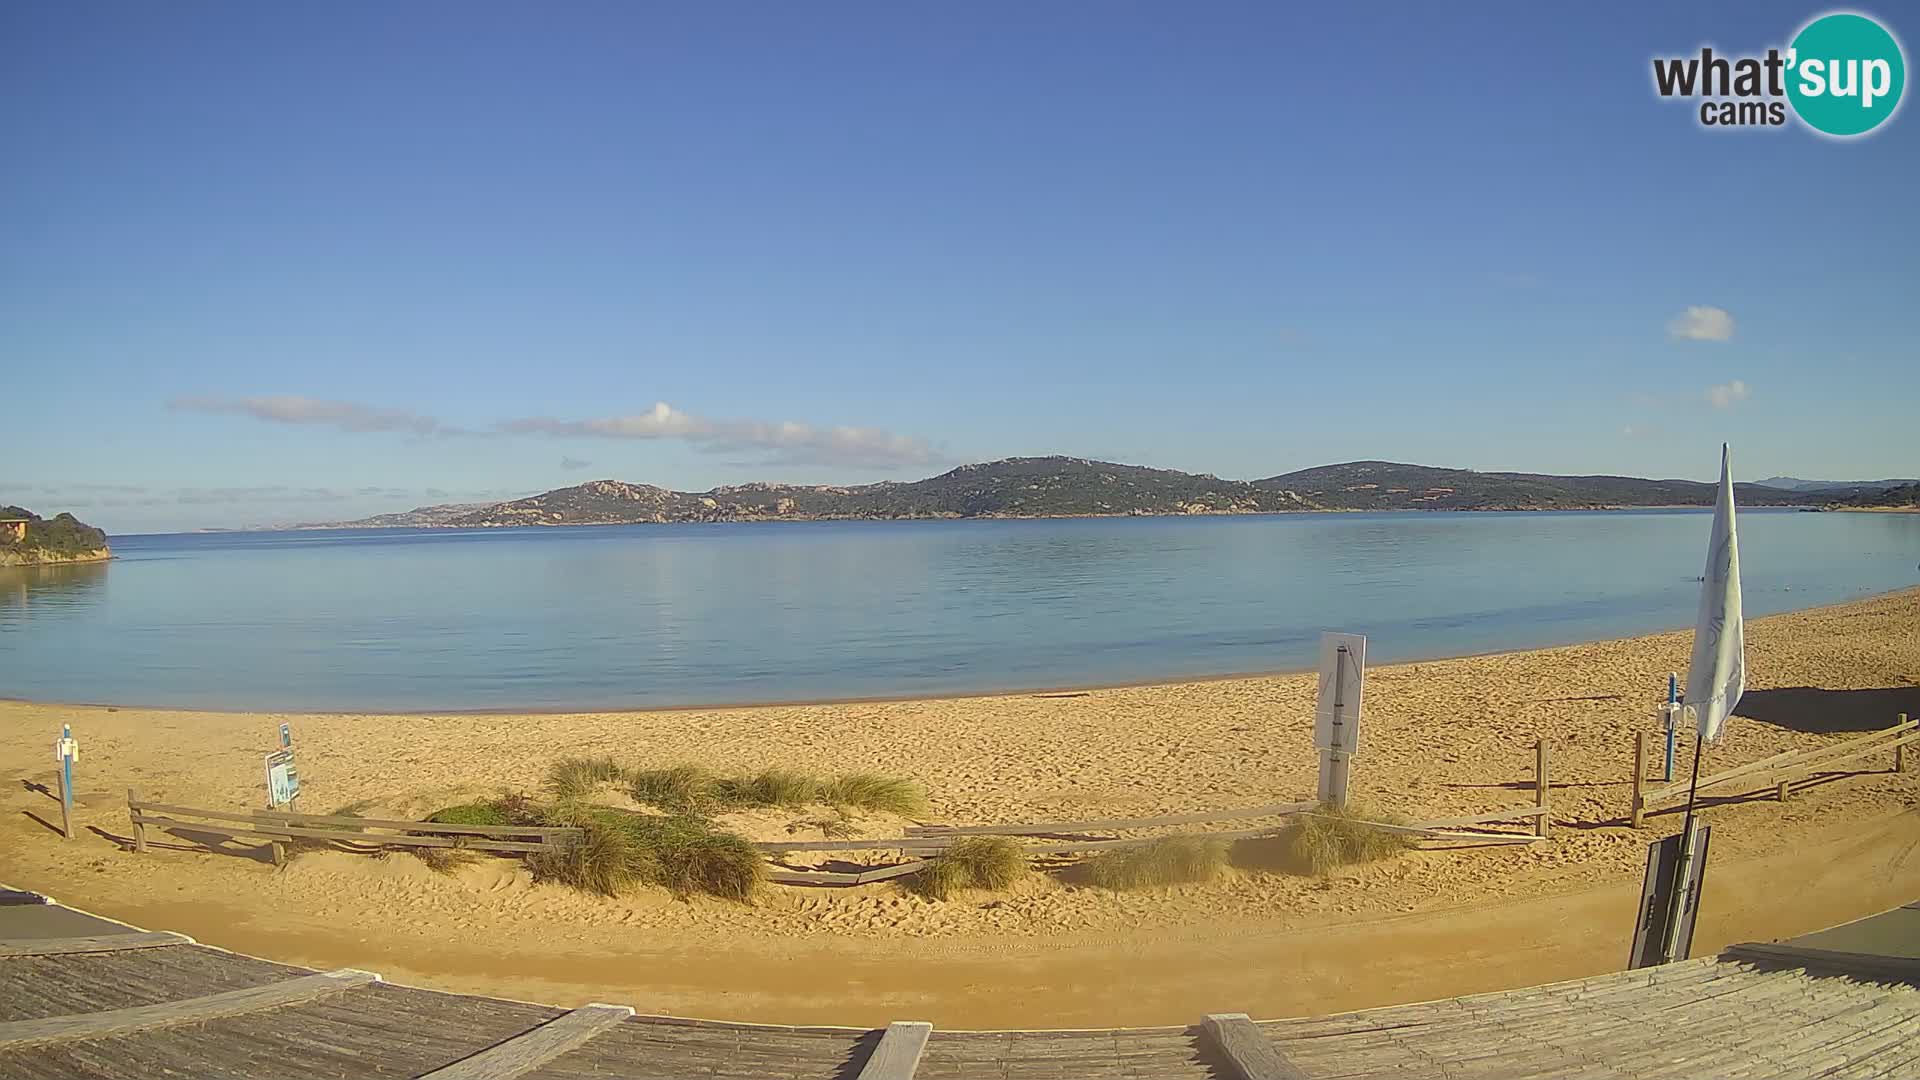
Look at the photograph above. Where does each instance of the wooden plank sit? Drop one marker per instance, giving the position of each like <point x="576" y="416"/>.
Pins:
<point x="1247" y="1048"/>
<point x="784" y="876"/>
<point x="812" y="877"/>
<point x="95" y="943"/>
<point x="1110" y="824"/>
<point x="1872" y="742"/>
<point x="885" y="872"/>
<point x="268" y="831"/>
<point x="1065" y="847"/>
<point x="432" y="827"/>
<point x="1543" y="824"/>
<point x="898" y="1053"/>
<point x="20" y="1033"/>
<point x="371" y="823"/>
<point x="1521" y="814"/>
<point x="1439" y="830"/>
<point x="1637" y="814"/>
<point x="910" y="843"/>
<point x="139" y="829"/>
<point x="524" y="1053"/>
<point x="1895" y="968"/>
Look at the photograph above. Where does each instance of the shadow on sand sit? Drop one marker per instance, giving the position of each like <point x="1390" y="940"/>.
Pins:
<point x="1823" y="712"/>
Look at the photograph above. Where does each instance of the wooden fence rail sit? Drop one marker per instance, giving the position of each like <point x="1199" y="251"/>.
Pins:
<point x="921" y="842"/>
<point x="1782" y="769"/>
<point x="278" y="827"/>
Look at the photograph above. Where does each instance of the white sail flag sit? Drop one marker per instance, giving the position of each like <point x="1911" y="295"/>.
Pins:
<point x="1717" y="674"/>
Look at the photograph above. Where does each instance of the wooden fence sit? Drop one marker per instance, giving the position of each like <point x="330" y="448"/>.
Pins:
<point x="277" y="828"/>
<point x="920" y="843"/>
<point x="1076" y="837"/>
<point x="1780" y="772"/>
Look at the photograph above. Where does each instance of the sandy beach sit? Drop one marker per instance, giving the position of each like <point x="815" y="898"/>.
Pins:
<point x="1441" y="738"/>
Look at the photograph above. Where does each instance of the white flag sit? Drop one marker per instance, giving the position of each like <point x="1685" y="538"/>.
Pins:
<point x="1717" y="674"/>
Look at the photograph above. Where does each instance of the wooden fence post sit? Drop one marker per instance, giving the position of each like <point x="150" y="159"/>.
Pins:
<point x="1543" y="824"/>
<point x="1782" y="789"/>
<point x="1639" y="815"/>
<point x="139" y="829"/>
<point x="1900" y="752"/>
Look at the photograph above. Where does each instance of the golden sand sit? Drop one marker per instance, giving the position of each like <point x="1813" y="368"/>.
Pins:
<point x="1440" y="739"/>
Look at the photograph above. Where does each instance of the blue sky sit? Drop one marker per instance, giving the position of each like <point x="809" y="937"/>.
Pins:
<point x="267" y="264"/>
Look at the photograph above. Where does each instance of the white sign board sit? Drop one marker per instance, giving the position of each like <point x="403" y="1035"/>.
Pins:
<point x="1343" y="669"/>
<point x="283" y="782"/>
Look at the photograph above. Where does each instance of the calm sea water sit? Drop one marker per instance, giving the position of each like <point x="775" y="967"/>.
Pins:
<point x="665" y="615"/>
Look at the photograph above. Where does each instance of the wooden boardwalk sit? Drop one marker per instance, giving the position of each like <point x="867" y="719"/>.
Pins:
<point x="81" y="1006"/>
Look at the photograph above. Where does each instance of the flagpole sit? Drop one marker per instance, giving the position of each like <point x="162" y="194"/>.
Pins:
<point x="1683" y="867"/>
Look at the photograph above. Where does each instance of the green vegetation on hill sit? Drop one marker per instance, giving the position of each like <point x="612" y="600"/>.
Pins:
<point x="1039" y="487"/>
<point x="62" y="536"/>
<point x="1904" y="496"/>
<point x="1388" y="485"/>
<point x="1015" y="487"/>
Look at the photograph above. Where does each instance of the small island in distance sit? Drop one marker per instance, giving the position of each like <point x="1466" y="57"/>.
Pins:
<point x="1041" y="487"/>
<point x="27" y="539"/>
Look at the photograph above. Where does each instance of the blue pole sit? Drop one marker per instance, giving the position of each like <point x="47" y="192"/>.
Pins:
<point x="66" y="781"/>
<point x="1673" y="718"/>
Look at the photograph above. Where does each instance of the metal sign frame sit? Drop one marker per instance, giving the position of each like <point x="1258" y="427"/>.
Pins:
<point x="283" y="779"/>
<point x="1343" y="677"/>
<point x="1661" y="903"/>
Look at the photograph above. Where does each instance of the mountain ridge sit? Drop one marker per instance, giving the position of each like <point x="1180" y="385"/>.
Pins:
<point x="1060" y="486"/>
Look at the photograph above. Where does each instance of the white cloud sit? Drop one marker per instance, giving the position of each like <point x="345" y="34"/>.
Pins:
<point x="1724" y="395"/>
<point x="786" y="441"/>
<point x="573" y="464"/>
<point x="778" y="442"/>
<point x="296" y="409"/>
<point x="1702" y="323"/>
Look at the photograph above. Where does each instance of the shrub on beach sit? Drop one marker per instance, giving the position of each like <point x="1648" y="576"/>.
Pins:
<point x="972" y="862"/>
<point x="1332" y="837"/>
<point x="770" y="787"/>
<point x="573" y="778"/>
<point x="693" y="789"/>
<point x="680" y="789"/>
<point x="620" y="849"/>
<point x="872" y="791"/>
<point x="1170" y="860"/>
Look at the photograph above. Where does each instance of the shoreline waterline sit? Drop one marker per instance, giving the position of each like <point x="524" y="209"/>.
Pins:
<point x="1041" y="691"/>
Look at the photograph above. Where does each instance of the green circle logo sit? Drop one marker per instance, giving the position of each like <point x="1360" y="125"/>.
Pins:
<point x="1845" y="73"/>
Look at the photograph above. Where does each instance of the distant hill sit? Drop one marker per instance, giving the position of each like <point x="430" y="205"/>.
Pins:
<point x="1904" y="497"/>
<point x="1791" y="483"/>
<point x="1077" y="487"/>
<point x="62" y="538"/>
<point x="416" y="518"/>
<point x="1014" y="487"/>
<point x="1388" y="485"/>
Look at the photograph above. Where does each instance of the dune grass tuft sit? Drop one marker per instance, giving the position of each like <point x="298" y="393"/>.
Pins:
<point x="1332" y="837"/>
<point x="972" y="862"/>
<point x="693" y="789"/>
<point x="1170" y="860"/>
<point x="678" y="789"/>
<point x="574" y="778"/>
<point x="770" y="787"/>
<point x="873" y="791"/>
<point x="621" y="849"/>
<point x="605" y="860"/>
